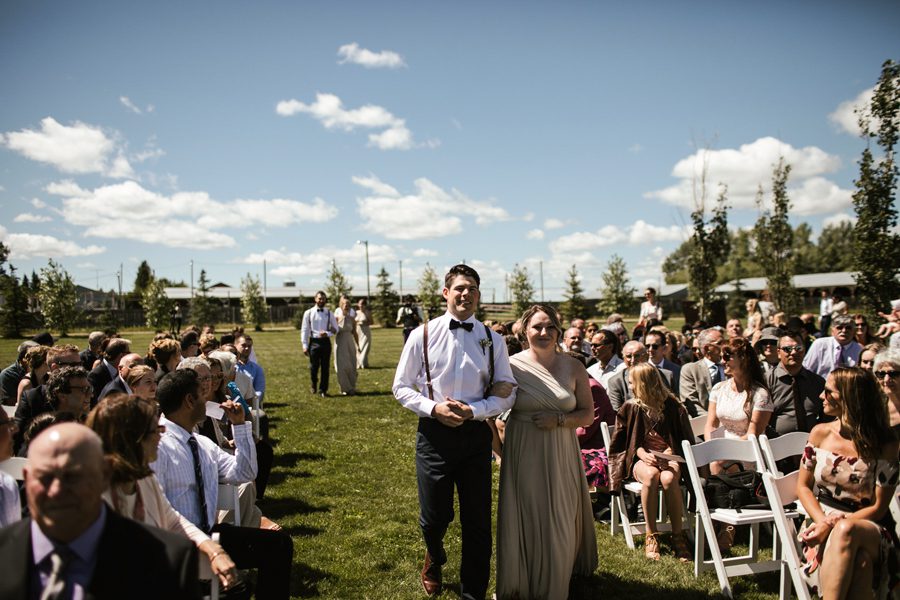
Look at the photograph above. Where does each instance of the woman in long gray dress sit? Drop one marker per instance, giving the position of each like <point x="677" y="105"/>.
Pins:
<point x="545" y="527"/>
<point x="345" y="347"/>
<point x="363" y="333"/>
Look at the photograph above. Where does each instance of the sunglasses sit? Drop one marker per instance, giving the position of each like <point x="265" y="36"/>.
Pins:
<point x="600" y="345"/>
<point x="633" y="355"/>
<point x="845" y="327"/>
<point x="891" y="374"/>
<point x="790" y="349"/>
<point x="726" y="356"/>
<point x="655" y="346"/>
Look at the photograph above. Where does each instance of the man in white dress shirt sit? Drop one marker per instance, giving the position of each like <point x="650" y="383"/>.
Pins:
<point x="839" y="350"/>
<point x="452" y="393"/>
<point x="319" y="325"/>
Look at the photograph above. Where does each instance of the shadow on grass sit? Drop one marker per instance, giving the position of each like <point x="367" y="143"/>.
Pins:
<point x="279" y="476"/>
<point x="302" y="530"/>
<point x="290" y="459"/>
<point x="610" y="585"/>
<point x="278" y="509"/>
<point x="305" y="580"/>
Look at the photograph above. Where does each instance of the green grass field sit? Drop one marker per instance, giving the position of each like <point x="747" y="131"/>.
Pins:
<point x="344" y="487"/>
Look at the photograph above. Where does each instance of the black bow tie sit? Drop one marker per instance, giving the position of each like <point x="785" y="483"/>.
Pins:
<point x="454" y="324"/>
<point x="320" y="310"/>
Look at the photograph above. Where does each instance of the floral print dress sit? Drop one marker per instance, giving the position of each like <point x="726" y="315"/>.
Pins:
<point x="852" y="481"/>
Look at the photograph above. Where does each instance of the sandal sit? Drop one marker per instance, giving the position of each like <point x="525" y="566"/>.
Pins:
<point x="680" y="545"/>
<point x="651" y="546"/>
<point x="725" y="538"/>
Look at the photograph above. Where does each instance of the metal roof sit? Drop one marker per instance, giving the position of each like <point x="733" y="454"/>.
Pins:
<point x="226" y="292"/>
<point x="807" y="281"/>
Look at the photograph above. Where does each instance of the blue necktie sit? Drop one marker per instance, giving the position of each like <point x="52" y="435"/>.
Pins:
<point x="201" y="490"/>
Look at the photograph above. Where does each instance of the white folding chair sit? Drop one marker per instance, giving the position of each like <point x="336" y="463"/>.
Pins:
<point x="781" y="447"/>
<point x="10" y="411"/>
<point x="895" y="512"/>
<point x="701" y="455"/>
<point x="618" y="513"/>
<point x="228" y="500"/>
<point x="206" y="573"/>
<point x="698" y="424"/>
<point x="13" y="467"/>
<point x="782" y="490"/>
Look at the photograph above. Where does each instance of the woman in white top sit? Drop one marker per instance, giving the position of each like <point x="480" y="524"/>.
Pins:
<point x="130" y="430"/>
<point x="741" y="404"/>
<point x="650" y="308"/>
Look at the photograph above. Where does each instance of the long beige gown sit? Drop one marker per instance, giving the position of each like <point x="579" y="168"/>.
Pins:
<point x="345" y="352"/>
<point x="545" y="527"/>
<point x="364" y="335"/>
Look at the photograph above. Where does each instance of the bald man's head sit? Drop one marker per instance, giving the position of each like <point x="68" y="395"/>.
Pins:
<point x="64" y="479"/>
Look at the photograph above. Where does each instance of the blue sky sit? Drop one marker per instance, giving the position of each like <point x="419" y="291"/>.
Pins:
<point x="229" y="133"/>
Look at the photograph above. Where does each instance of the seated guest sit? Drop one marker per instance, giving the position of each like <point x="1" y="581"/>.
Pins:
<point x="850" y="545"/>
<point x="67" y="390"/>
<point x="653" y="421"/>
<point x="36" y="369"/>
<point x="839" y="350"/>
<point x="78" y="548"/>
<point x="208" y="343"/>
<point x="795" y="390"/>
<point x="190" y="344"/>
<point x="605" y="348"/>
<point x="766" y="346"/>
<point x="119" y="383"/>
<point x="91" y="354"/>
<point x="657" y="344"/>
<point x="190" y="467"/>
<point x="141" y="380"/>
<point x="108" y="368"/>
<point x="10" y="507"/>
<point x="244" y="347"/>
<point x="166" y="353"/>
<point x="130" y="431"/>
<point x="13" y="374"/>
<point x="868" y="354"/>
<point x="619" y="386"/>
<point x="590" y="438"/>
<point x="887" y="373"/>
<point x="699" y="377"/>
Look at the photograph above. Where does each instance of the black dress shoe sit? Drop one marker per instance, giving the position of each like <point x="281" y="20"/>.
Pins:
<point x="430" y="577"/>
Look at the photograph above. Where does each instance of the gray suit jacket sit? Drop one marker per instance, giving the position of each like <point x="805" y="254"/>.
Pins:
<point x="694" y="387"/>
<point x="619" y="391"/>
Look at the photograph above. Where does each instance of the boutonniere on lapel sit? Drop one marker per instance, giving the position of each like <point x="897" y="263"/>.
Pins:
<point x="485" y="343"/>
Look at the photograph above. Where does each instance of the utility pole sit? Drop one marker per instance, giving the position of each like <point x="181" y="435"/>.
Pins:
<point x="192" y="279"/>
<point x="121" y="303"/>
<point x="401" y="279"/>
<point x="541" y="266"/>
<point x="265" y="283"/>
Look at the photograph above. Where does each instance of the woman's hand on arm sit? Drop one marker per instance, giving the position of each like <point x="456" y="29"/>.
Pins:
<point x="222" y="565"/>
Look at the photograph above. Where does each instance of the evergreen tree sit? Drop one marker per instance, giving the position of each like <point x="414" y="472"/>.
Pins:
<point x="58" y="298"/>
<point x="574" y="305"/>
<point x="775" y="242"/>
<point x="616" y="295"/>
<point x="253" y="305"/>
<point x="14" y="309"/>
<point x="337" y="285"/>
<point x="429" y="290"/>
<point x="877" y="245"/>
<point x="35" y="289"/>
<point x="835" y="248"/>
<point x="143" y="278"/>
<point x="203" y="309"/>
<point x="386" y="300"/>
<point x="708" y="251"/>
<point x="521" y="290"/>
<point x="157" y="306"/>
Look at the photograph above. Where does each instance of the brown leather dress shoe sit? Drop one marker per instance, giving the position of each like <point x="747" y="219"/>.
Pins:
<point x="430" y="577"/>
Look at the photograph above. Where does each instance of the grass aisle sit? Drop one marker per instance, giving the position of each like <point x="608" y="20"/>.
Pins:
<point x="344" y="487"/>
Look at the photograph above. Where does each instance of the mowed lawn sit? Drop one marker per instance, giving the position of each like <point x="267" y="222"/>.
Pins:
<point x="344" y="487"/>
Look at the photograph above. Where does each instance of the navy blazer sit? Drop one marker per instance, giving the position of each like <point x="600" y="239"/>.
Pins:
<point x="133" y="561"/>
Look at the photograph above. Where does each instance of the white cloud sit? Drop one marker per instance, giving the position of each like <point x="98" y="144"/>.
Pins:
<point x="295" y="264"/>
<point x="23" y="246"/>
<point x="330" y="111"/>
<point x="127" y="103"/>
<point x="638" y="234"/>
<point x="838" y="219"/>
<point x="845" y="117"/>
<point x="428" y="213"/>
<point x="376" y="186"/>
<point x="553" y="224"/>
<point x="745" y="168"/>
<point x="535" y="234"/>
<point x="38" y="203"/>
<point x="79" y="148"/>
<point x="424" y="253"/>
<point x="386" y="59"/>
<point x="182" y="220"/>
<point x="31" y="218"/>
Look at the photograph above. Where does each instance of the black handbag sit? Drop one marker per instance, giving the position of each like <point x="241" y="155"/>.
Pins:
<point x="743" y="489"/>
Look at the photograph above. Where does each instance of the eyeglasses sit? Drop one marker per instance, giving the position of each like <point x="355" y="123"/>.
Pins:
<point x="791" y="349"/>
<point x="883" y="374"/>
<point x="727" y="355"/>
<point x="633" y="355"/>
<point x="848" y="326"/>
<point x="600" y="345"/>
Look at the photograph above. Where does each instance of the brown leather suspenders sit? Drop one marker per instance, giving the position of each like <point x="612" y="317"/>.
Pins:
<point x="490" y="345"/>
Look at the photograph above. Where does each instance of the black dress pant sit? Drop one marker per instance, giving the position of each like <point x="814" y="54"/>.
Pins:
<point x="270" y="552"/>
<point x="319" y="360"/>
<point x="448" y="457"/>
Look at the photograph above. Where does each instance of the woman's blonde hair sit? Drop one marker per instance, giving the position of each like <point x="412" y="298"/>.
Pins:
<point x="650" y="391"/>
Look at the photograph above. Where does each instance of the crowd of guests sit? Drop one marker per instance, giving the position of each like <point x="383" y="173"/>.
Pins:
<point x="781" y="374"/>
<point x="112" y="433"/>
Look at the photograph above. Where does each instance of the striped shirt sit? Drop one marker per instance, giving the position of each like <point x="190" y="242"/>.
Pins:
<point x="174" y="467"/>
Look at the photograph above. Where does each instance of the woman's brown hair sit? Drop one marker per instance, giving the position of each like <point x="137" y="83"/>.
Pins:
<point x="864" y="410"/>
<point x="122" y="422"/>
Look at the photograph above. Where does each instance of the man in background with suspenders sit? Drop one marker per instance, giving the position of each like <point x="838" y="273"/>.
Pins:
<point x="454" y="373"/>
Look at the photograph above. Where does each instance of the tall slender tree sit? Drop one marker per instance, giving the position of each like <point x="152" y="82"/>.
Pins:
<point x="203" y="309"/>
<point x="156" y="304"/>
<point x="877" y="244"/>
<point x="337" y="284"/>
<point x="386" y="300"/>
<point x="775" y="242"/>
<point x="574" y="305"/>
<point x="521" y="289"/>
<point x="253" y="305"/>
<point x="58" y="298"/>
<point x="710" y="244"/>
<point x="616" y="295"/>
<point x="14" y="309"/>
<point x="429" y="291"/>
